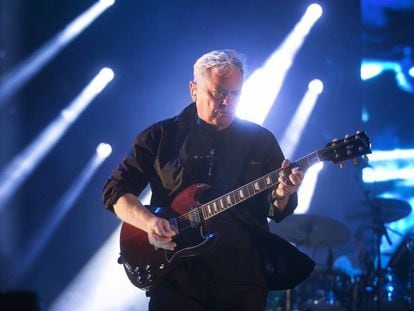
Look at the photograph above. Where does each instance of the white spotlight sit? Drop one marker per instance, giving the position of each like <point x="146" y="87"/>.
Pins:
<point x="315" y="86"/>
<point x="411" y="71"/>
<point x="107" y="3"/>
<point x="314" y="11"/>
<point x="103" y="150"/>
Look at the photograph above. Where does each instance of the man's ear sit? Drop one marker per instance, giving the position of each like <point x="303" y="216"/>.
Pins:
<point x="193" y="90"/>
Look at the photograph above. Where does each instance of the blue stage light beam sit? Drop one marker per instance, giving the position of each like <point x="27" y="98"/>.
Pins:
<point x="307" y="188"/>
<point x="25" y="163"/>
<point x="263" y="86"/>
<point x="291" y="138"/>
<point x="12" y="81"/>
<point x="371" y="68"/>
<point x="294" y="130"/>
<point x="57" y="214"/>
<point x="389" y="165"/>
<point x="89" y="289"/>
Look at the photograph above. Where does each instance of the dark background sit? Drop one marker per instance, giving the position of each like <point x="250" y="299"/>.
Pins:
<point x="151" y="47"/>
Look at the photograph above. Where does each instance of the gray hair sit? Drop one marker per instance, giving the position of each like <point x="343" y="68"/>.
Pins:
<point x="221" y="60"/>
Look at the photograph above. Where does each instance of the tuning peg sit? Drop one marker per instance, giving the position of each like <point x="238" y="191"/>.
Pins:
<point x="355" y="161"/>
<point x="342" y="165"/>
<point x="334" y="141"/>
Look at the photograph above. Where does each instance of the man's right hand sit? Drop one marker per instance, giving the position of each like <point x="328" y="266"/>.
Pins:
<point x="160" y="233"/>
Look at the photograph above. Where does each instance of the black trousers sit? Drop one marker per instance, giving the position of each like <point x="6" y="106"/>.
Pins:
<point x="195" y="296"/>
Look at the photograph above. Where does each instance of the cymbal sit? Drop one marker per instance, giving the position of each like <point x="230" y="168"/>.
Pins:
<point x="311" y="230"/>
<point x="390" y="209"/>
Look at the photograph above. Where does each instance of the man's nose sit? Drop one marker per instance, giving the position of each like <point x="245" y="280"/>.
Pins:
<point x="227" y="100"/>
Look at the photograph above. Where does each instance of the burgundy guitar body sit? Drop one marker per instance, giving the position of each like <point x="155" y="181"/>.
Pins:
<point x="145" y="266"/>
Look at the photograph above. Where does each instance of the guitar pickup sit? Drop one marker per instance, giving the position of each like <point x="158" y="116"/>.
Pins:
<point x="194" y="217"/>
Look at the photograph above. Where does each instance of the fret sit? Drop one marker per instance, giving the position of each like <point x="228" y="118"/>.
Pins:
<point x="233" y="198"/>
<point x="228" y="198"/>
<point x="222" y="204"/>
<point x="210" y="211"/>
<point x="215" y="206"/>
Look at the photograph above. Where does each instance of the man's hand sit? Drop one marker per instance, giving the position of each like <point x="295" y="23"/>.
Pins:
<point x="160" y="233"/>
<point x="290" y="184"/>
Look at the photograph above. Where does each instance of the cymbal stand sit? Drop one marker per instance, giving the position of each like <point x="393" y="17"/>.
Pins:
<point x="379" y="230"/>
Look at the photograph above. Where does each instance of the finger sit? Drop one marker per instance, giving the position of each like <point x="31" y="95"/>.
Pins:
<point x="285" y="163"/>
<point x="169" y="246"/>
<point x="295" y="180"/>
<point x="168" y="230"/>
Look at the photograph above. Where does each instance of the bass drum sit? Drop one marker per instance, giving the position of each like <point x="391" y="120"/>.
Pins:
<point x="324" y="290"/>
<point x="392" y="292"/>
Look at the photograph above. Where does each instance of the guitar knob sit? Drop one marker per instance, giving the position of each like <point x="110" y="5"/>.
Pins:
<point x="162" y="266"/>
<point x="342" y="165"/>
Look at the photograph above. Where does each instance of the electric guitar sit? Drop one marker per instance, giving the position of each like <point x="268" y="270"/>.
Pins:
<point x="146" y="267"/>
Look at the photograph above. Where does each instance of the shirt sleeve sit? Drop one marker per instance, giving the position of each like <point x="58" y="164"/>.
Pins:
<point x="131" y="176"/>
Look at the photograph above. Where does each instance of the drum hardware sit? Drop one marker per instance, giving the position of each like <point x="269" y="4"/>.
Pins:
<point x="332" y="289"/>
<point x="328" y="288"/>
<point x="378" y="211"/>
<point x="311" y="230"/>
<point x="410" y="285"/>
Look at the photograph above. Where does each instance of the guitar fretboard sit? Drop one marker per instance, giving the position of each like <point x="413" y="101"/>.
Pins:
<point x="239" y="195"/>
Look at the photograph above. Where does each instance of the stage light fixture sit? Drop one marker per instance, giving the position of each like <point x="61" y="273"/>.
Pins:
<point x="315" y="11"/>
<point x="411" y="72"/>
<point x="316" y="86"/>
<point x="103" y="150"/>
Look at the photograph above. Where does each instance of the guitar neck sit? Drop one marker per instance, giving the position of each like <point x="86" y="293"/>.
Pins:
<point x="239" y="195"/>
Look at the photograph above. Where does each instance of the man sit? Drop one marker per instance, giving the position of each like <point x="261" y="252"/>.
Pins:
<point x="206" y="143"/>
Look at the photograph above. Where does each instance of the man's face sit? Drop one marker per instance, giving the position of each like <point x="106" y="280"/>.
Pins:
<point x="216" y="97"/>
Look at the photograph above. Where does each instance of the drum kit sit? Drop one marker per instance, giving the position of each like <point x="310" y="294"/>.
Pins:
<point x="331" y="287"/>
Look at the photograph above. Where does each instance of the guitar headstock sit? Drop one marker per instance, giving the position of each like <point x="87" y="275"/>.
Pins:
<point x="350" y="147"/>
